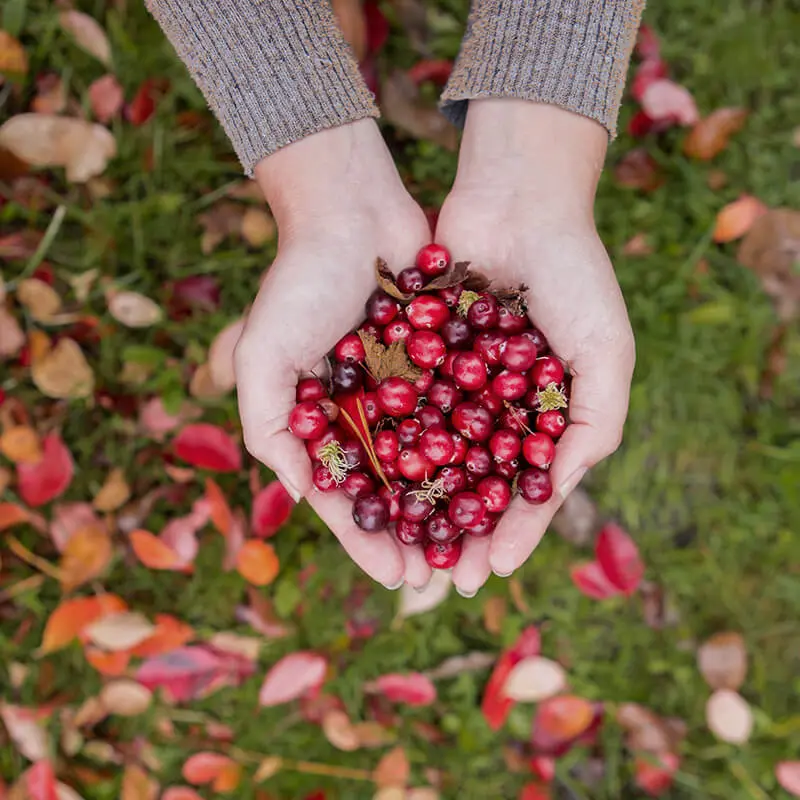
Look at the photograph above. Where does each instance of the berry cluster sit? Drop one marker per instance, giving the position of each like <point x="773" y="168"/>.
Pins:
<point x="444" y="404"/>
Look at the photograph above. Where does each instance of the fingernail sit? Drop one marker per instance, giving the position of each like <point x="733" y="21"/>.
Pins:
<point x="467" y="595"/>
<point x="502" y="574"/>
<point x="289" y="486"/>
<point x="421" y="589"/>
<point x="571" y="482"/>
<point x="395" y="586"/>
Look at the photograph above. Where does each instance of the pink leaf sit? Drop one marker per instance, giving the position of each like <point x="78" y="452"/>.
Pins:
<point x="535" y="791"/>
<point x="69" y="518"/>
<point x="655" y="779"/>
<point x="106" y="98"/>
<point x="665" y="100"/>
<point x="180" y="535"/>
<point x="647" y="73"/>
<point x="208" y="447"/>
<point x="271" y="508"/>
<point x="197" y="291"/>
<point x="592" y="581"/>
<point x="25" y="729"/>
<point x="155" y="420"/>
<point x="647" y="46"/>
<point x="619" y="558"/>
<point x="292" y="677"/>
<point x="788" y="775"/>
<point x="47" y="479"/>
<point x="234" y="541"/>
<point x="40" y="781"/>
<point x="412" y="688"/>
<point x="180" y="793"/>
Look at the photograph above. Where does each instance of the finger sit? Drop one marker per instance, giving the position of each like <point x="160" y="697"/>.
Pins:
<point x="473" y="569"/>
<point x="417" y="571"/>
<point x="376" y="553"/>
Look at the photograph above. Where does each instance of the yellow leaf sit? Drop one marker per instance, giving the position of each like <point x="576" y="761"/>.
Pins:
<point x="13" y="59"/>
<point x="21" y="444"/>
<point x="114" y="493"/>
<point x="85" y="556"/>
<point x="133" y="310"/>
<point x="41" y="300"/>
<point x="39" y="345"/>
<point x="137" y="785"/>
<point x="258" y="227"/>
<point x="393" y="769"/>
<point x="63" y="372"/>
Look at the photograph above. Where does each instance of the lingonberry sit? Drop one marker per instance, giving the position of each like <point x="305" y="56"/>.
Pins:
<point x="396" y="396"/>
<point x="307" y="420"/>
<point x="391" y="495"/>
<point x="313" y="446"/>
<point x="443" y="556"/>
<point x="371" y="513"/>
<point x="424" y="381"/>
<point x="353" y="453"/>
<point x="426" y="349"/>
<point x="485" y="527"/>
<point x="381" y="309"/>
<point x="323" y="478"/>
<point x="454" y="479"/>
<point x="411" y="280"/>
<point x="466" y="509"/>
<point x="457" y="334"/>
<point x="427" y="312"/>
<point x="390" y="470"/>
<point x="446" y="367"/>
<point x="409" y="532"/>
<point x="534" y="485"/>
<point x="414" y="466"/>
<point x="431" y="417"/>
<point x="472" y="421"/>
<point x="552" y="423"/>
<point x="547" y="370"/>
<point x="488" y="399"/>
<point x="538" y="338"/>
<point x="310" y="389"/>
<point x="349" y="348"/>
<point x="495" y="493"/>
<point x="539" y="450"/>
<point x="408" y="432"/>
<point x="507" y="469"/>
<point x="451" y="294"/>
<point x="387" y="445"/>
<point x="433" y="259"/>
<point x="346" y="377"/>
<point x="397" y="331"/>
<point x="469" y="371"/>
<point x="358" y="483"/>
<point x="436" y="444"/>
<point x="413" y="507"/>
<point x="511" y="323"/>
<point x="483" y="313"/>
<point x="372" y="410"/>
<point x="460" y="448"/>
<point x="509" y="385"/>
<point x="478" y="461"/>
<point x="504" y="445"/>
<point x="444" y="395"/>
<point x="490" y="346"/>
<point x="441" y="529"/>
<point x="519" y="354"/>
<point x="515" y="419"/>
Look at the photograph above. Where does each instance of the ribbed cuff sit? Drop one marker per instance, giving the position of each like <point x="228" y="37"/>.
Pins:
<point x="570" y="53"/>
<point x="272" y="71"/>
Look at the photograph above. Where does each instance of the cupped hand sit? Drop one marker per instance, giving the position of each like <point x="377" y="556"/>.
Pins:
<point x="521" y="212"/>
<point x="339" y="204"/>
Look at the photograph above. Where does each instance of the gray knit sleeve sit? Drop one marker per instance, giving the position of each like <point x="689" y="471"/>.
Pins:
<point x="273" y="71"/>
<point x="571" y="53"/>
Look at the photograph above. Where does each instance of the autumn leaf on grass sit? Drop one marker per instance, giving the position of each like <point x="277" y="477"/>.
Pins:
<point x="13" y="58"/>
<point x="137" y="784"/>
<point x="12" y="338"/>
<point x="787" y="774"/>
<point x="169" y="634"/>
<point x="729" y="717"/>
<point x="86" y="556"/>
<point x="592" y="581"/>
<point x="24" y="726"/>
<point x="71" y="617"/>
<point x="736" y="218"/>
<point x="21" y="444"/>
<point x="412" y="688"/>
<point x="619" y="558"/>
<point x="710" y="135"/>
<point x="114" y="492"/>
<point x="132" y="309"/>
<point x="156" y="421"/>
<point x="220" y="355"/>
<point x="120" y="631"/>
<point x="155" y="554"/>
<point x="257" y="562"/>
<point x="291" y="677"/>
<point x="654" y="773"/>
<point x="180" y="793"/>
<point x="208" y="447"/>
<point x="272" y="507"/>
<point x="387" y="362"/>
<point x="664" y="99"/>
<point x="106" y="98"/>
<point x="535" y="679"/>
<point x="722" y="660"/>
<point x="220" y="511"/>
<point x="393" y="769"/>
<point x="219" y="770"/>
<point x="47" y="479"/>
<point x="12" y="514"/>
<point x="63" y="371"/>
<point x="39" y="298"/>
<point x="560" y="721"/>
<point x="38" y="782"/>
<point x="110" y="665"/>
<point x="87" y="34"/>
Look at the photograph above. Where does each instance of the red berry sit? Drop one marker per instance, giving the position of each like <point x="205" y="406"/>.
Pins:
<point x="349" y="348"/>
<point x="24" y="357"/>
<point x="307" y="420"/>
<point x="509" y="385"/>
<point x="426" y="349"/>
<point x="411" y="280"/>
<point x="515" y="419"/>
<point x="466" y="509"/>
<point x="472" y="421"/>
<point x="534" y="485"/>
<point x="484" y="528"/>
<point x="490" y="346"/>
<point x="387" y="445"/>
<point x="547" y="370"/>
<point x="323" y="479"/>
<point x="353" y="453"/>
<point x="431" y="417"/>
<point x="358" y="483"/>
<point x="539" y="450"/>
<point x="414" y="466"/>
<point x="488" y="399"/>
<point x="483" y="313"/>
<point x="372" y="330"/>
<point x="392" y="498"/>
<point x="408" y="532"/>
<point x="313" y="446"/>
<point x="381" y="309"/>
<point x="427" y="312"/>
<point x="433" y="259"/>
<point x="346" y="377"/>
<point x="444" y="395"/>
<point x="537" y="337"/>
<point x="478" y="461"/>
<point x="519" y="354"/>
<point x="552" y="423"/>
<point x="436" y="444"/>
<point x="495" y="493"/>
<point x="469" y="371"/>
<point x="414" y="508"/>
<point x="451" y="294"/>
<point x="504" y="445"/>
<point x="446" y="367"/>
<point x="397" y="331"/>
<point x="396" y="396"/>
<point x="423" y="383"/>
<point x="440" y="528"/>
<point x="511" y="323"/>
<point x="310" y="389"/>
<point x="507" y="469"/>
<point x="371" y="513"/>
<point x="372" y="409"/>
<point x="408" y="432"/>
<point x="454" y="479"/>
<point x="457" y="334"/>
<point x="460" y="448"/>
<point x="390" y="470"/>
<point x="443" y="556"/>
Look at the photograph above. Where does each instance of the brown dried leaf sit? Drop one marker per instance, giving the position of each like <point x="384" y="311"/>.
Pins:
<point x="133" y="309"/>
<point x="63" y="372"/>
<point x="476" y="281"/>
<point x="385" y="279"/>
<point x="202" y="385"/>
<point x="387" y="362"/>
<point x="638" y="170"/>
<point x="513" y="298"/>
<point x="637" y="245"/>
<point x="223" y="219"/>
<point x="137" y="785"/>
<point x="372" y="734"/>
<point x="494" y="612"/>
<point x="393" y="769"/>
<point x="710" y="136"/>
<point x="13" y="58"/>
<point x="456" y="273"/>
<point x="722" y="660"/>
<point x="41" y="300"/>
<point x="114" y="493"/>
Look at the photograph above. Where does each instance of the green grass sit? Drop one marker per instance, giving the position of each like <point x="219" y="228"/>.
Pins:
<point x="707" y="480"/>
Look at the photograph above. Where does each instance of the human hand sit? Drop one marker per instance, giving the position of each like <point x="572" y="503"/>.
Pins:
<point x="339" y="204"/>
<point x="521" y="212"/>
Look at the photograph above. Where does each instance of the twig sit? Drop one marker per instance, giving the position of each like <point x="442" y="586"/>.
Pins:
<point x="307" y="767"/>
<point x="33" y="582"/>
<point x="19" y="550"/>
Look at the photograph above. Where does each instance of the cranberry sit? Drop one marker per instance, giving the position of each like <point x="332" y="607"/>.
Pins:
<point x="509" y="385"/>
<point x="440" y="528"/>
<point x="372" y="410"/>
<point x="411" y="280"/>
<point x="551" y="422"/>
<point x="451" y="295"/>
<point x="461" y="448"/>
<point x="446" y="368"/>
<point x="353" y="453"/>
<point x="397" y="331"/>
<point x="444" y="395"/>
<point x="433" y="259"/>
<point x="349" y="348"/>
<point x="310" y="389"/>
<point x="485" y="527"/>
<point x="390" y="470"/>
<point x="414" y="466"/>
<point x="466" y="509"/>
<point x="443" y="556"/>
<point x="408" y="532"/>
<point x="483" y="313"/>
<point x="457" y="334"/>
<point x="371" y="512"/>
<point x="323" y="479"/>
<point x="408" y="432"/>
<point x="515" y="419"/>
<point x="490" y="346"/>
<point x="381" y="309"/>
<point x="431" y="417"/>
<point x="387" y="445"/>
<point x="307" y="420"/>
<point x="313" y="446"/>
<point x="346" y="377"/>
<point x="423" y="383"/>
<point x="413" y="508"/>
<point x="519" y="354"/>
<point x="469" y="371"/>
<point x="534" y="485"/>
<point x="478" y="461"/>
<point x="436" y="444"/>
<point x="488" y="399"/>
<point x="454" y="479"/>
<point x="511" y="323"/>
<point x="472" y="421"/>
<point x="397" y="397"/>
<point x="504" y="445"/>
<point x="538" y="449"/>
<point x="391" y="497"/>
<point x="495" y="493"/>
<point x="372" y="330"/>
<point x="537" y="337"/>
<point x="547" y="370"/>
<point x="370" y="384"/>
<point x="358" y="483"/>
<point x="426" y="349"/>
<point x="507" y="469"/>
<point x="427" y="312"/>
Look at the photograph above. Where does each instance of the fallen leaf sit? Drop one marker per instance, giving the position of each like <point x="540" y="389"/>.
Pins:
<point x="125" y="698"/>
<point x="412" y="688"/>
<point x="393" y="769"/>
<point x="63" y="372"/>
<point x="372" y="734"/>
<point x="722" y="661"/>
<point x="710" y="135"/>
<point x="272" y="507"/>
<point x="180" y="793"/>
<point x="729" y="717"/>
<point x="51" y="94"/>
<point x="39" y="298"/>
<point x="156" y="421"/>
<point x="535" y="679"/>
<point x="85" y="557"/>
<point x="133" y="309"/>
<point x="494" y="612"/>
<point x="180" y="534"/>
<point x="50" y="477"/>
<point x="666" y="100"/>
<point x="735" y="219"/>
<point x="222" y="220"/>
<point x="137" y="784"/>
<point x="119" y="631"/>
<point x="21" y="445"/>
<point x="592" y="581"/>
<point x="13" y="58"/>
<point x="24" y="727"/>
<point x="292" y="676"/>
<point x="646" y="731"/>
<point x="155" y="554"/>
<point x="619" y="558"/>
<point x="257" y="227"/>
<point x="219" y="770"/>
<point x="111" y="665"/>
<point x="269" y="766"/>
<point x="39" y="782"/>
<point x="339" y="730"/>
<point x="65" y="792"/>
<point x="219" y="510"/>
<point x="106" y="98"/>
<point x="114" y="492"/>
<point x="257" y="562"/>
<point x="143" y="106"/>
<point x="195" y="292"/>
<point x="67" y="519"/>
<point x="248" y="647"/>
<point x="12" y="514"/>
<point x="655" y="779"/>
<point x="11" y="336"/>
<point x="208" y="447"/>
<point x="71" y="617"/>
<point x="787" y="774"/>
<point x="422" y="793"/>
<point x="169" y="634"/>
<point x="535" y="791"/>
<point x="387" y="362"/>
<point x="558" y="722"/>
<point x="435" y="593"/>
<point x="87" y="34"/>
<point x="638" y="170"/>
<point x="261" y="616"/>
<point x="475" y="661"/>
<point x="220" y="355"/>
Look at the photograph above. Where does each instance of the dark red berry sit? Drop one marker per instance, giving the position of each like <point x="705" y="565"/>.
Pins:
<point x="552" y="423"/>
<point x="346" y="377"/>
<point x="307" y="420"/>
<point x="397" y="331"/>
<point x="396" y="396"/>
<point x="466" y="509"/>
<point x="436" y="444"/>
<point x="469" y="371"/>
<point x="451" y="294"/>
<point x="371" y="513"/>
<point x="313" y="446"/>
<point x="433" y="259"/>
<point x="454" y="480"/>
<point x="310" y="389"/>
<point x="488" y="399"/>
<point x="440" y="528"/>
<point x="460" y="448"/>
<point x="414" y="508"/>
<point x="372" y="330"/>
<point x="372" y="410"/>
<point x="472" y="421"/>
<point x="381" y="309"/>
<point x="511" y="323"/>
<point x="411" y="280"/>
<point x="506" y="469"/>
<point x="414" y="466"/>
<point x="509" y="385"/>
<point x="534" y="485"/>
<point x="483" y="313"/>
<point x="443" y="556"/>
<point x="537" y="337"/>
<point x="444" y="395"/>
<point x="547" y="370"/>
<point x="519" y="353"/>
<point x="457" y="334"/>
<point x="539" y="450"/>
<point x="353" y="453"/>
<point x="358" y="483"/>
<point x="423" y="383"/>
<point x="515" y="419"/>
<point x="485" y="527"/>
<point x="427" y="312"/>
<point x="431" y="417"/>
<point x="349" y="348"/>
<point x="495" y="493"/>
<point x="387" y="445"/>
<point x="390" y="470"/>
<point x="391" y="496"/>
<point x="408" y="432"/>
<point x="323" y="479"/>
<point x="446" y="367"/>
<point x="408" y="532"/>
<point x="505" y="445"/>
<point x="478" y="461"/>
<point x="426" y="349"/>
<point x="490" y="346"/>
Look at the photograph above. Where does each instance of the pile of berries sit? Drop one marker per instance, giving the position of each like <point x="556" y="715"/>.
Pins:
<point x="442" y="406"/>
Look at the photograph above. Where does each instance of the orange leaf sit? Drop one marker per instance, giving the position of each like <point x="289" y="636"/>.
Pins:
<point x="228" y="778"/>
<point x="85" y="556"/>
<point x="153" y="553"/>
<point x="257" y="562"/>
<point x="112" y="665"/>
<point x="72" y="616"/>
<point x="21" y="444"/>
<point x="736" y="218"/>
<point x="12" y="514"/>
<point x="221" y="514"/>
<point x="170" y="634"/>
<point x="710" y="136"/>
<point x="221" y="771"/>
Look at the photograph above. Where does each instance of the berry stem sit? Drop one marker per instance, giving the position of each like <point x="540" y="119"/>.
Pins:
<point x="515" y="411"/>
<point x="430" y="491"/>
<point x="366" y="441"/>
<point x="332" y="456"/>
<point x="466" y="299"/>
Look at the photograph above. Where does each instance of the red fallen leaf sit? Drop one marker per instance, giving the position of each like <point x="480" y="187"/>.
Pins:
<point x="40" y="781"/>
<point x="495" y="705"/>
<point x="788" y="776"/>
<point x="220" y="511"/>
<point x="592" y="581"/>
<point x="106" y="98"/>
<point x="180" y="793"/>
<point x="535" y="791"/>
<point x="437" y="71"/>
<point x="318" y="795"/>
<point x="197" y="292"/>
<point x="291" y="677"/>
<point x="619" y="558"/>
<point x="670" y="102"/>
<point x="735" y="219"/>
<point x="558" y="722"/>
<point x="12" y="514"/>
<point x="315" y="705"/>
<point x="143" y="105"/>
<point x="19" y="245"/>
<point x="412" y="688"/>
<point x="170" y="634"/>
<point x="71" y="617"/>
<point x="377" y="27"/>
<point x="208" y="447"/>
<point x="641" y="124"/>
<point x="272" y="506"/>
<point x="221" y="771"/>
<point x="647" y="44"/>
<point x="44" y="481"/>
<point x="543" y="767"/>
<point x="647" y="73"/>
<point x="44" y="272"/>
<point x="654" y="779"/>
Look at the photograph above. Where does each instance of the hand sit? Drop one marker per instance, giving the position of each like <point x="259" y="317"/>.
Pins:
<point x="521" y="212"/>
<point x="339" y="204"/>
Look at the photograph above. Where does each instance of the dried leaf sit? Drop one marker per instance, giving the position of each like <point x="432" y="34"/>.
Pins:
<point x="247" y="647"/>
<point x="48" y="478"/>
<point x="710" y="135"/>
<point x="71" y="617"/>
<point x="41" y="300"/>
<point x="729" y="717"/>
<point x="475" y="661"/>
<point x="655" y="779"/>
<point x="20" y="444"/>
<point x="13" y="60"/>
<point x="24" y="726"/>
<point x="112" y="665"/>
<point x="339" y="731"/>
<point x="114" y="492"/>
<point x="455" y="274"/>
<point x="257" y="562"/>
<point x="12" y="514"/>
<point x="638" y="170"/>
<point x="257" y="227"/>
<point x="119" y="631"/>
<point x="11" y="336"/>
<point x="106" y="98"/>
<point x="513" y="298"/>
<point x="386" y="281"/>
<point x="125" y="698"/>
<point x="393" y="769"/>
<point x="223" y="219"/>
<point x="270" y="766"/>
<point x="638" y="245"/>
<point x="51" y="94"/>
<point x="86" y="556"/>
<point x="535" y="679"/>
<point x="155" y="420"/>
<point x="435" y="593"/>
<point x="137" y="785"/>
<point x="170" y="633"/>
<point x="63" y="372"/>
<point x="386" y="362"/>
<point x="722" y="660"/>
<point x="133" y="310"/>
<point x="220" y="355"/>
<point x="736" y="218"/>
<point x="219" y="770"/>
<point x="88" y="34"/>
<point x="291" y="677"/>
<point x="494" y="612"/>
